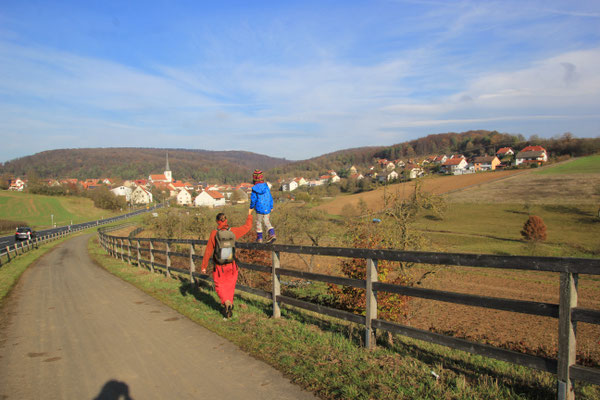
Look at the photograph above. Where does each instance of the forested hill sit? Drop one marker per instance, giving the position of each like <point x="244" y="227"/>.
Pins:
<point x="469" y="144"/>
<point x="237" y="166"/>
<point x="135" y="163"/>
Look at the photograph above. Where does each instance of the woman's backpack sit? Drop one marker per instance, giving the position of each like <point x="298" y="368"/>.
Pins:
<point x="224" y="247"/>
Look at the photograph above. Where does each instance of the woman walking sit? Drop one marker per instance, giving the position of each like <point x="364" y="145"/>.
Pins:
<point x="221" y="248"/>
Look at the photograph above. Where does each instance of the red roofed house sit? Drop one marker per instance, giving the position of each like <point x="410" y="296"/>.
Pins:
<point x="505" y="151"/>
<point x="17" y="185"/>
<point x="209" y="198"/>
<point x="531" y="155"/>
<point x="454" y="165"/>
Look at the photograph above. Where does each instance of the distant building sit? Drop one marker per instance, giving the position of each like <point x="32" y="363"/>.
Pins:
<point x="141" y="195"/>
<point x="531" y="155"/>
<point x="123" y="191"/>
<point x="165" y="177"/>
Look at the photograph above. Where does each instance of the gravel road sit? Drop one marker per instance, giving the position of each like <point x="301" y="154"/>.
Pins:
<point x="71" y="330"/>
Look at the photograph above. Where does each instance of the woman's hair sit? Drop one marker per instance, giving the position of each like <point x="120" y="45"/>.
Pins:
<point x="221" y="217"/>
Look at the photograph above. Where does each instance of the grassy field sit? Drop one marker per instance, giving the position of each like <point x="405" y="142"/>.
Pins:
<point x="37" y="210"/>
<point x="584" y="165"/>
<point x="325" y="356"/>
<point x="573" y="230"/>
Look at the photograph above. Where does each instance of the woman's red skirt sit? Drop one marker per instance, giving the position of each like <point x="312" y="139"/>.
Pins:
<point x="225" y="277"/>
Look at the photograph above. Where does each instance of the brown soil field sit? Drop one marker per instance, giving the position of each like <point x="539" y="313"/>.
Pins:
<point x="520" y="332"/>
<point x="436" y="185"/>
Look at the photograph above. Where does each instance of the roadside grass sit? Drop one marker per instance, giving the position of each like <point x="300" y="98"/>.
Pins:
<point x="37" y="210"/>
<point x="324" y="355"/>
<point x="583" y="165"/>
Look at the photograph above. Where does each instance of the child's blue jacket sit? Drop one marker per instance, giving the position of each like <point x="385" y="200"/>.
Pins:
<point x="261" y="199"/>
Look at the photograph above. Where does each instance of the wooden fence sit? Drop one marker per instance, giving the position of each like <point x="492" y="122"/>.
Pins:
<point x="130" y="249"/>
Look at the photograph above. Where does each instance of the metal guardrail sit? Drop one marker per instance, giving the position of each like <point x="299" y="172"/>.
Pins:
<point x="10" y="251"/>
<point x="567" y="312"/>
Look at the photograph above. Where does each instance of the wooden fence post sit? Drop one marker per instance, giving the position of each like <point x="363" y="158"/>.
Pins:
<point x="139" y="255"/>
<point x="129" y="251"/>
<point x="151" y="256"/>
<point x="371" y="300"/>
<point x="8" y="253"/>
<point x="192" y="265"/>
<point x="566" y="335"/>
<point x="168" y="247"/>
<point x="276" y="285"/>
<point x="16" y="249"/>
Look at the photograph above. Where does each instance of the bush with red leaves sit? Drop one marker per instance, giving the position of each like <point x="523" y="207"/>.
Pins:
<point x="534" y="229"/>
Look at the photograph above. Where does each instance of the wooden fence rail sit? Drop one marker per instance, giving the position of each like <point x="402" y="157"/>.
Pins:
<point x="567" y="312"/>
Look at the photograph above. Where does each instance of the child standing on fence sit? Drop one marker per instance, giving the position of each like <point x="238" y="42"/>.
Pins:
<point x="225" y="273"/>
<point x="262" y="202"/>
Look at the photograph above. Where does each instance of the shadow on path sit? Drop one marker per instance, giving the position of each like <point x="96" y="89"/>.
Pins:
<point x="114" y="390"/>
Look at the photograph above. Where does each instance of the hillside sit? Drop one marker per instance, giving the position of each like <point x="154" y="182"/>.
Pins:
<point x="135" y="163"/>
<point x="470" y="144"/>
<point x="237" y="166"/>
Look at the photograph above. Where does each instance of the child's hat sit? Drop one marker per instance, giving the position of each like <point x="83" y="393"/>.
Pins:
<point x="257" y="176"/>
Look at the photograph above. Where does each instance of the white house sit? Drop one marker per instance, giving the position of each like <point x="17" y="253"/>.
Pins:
<point x="289" y="185"/>
<point x="17" y="185"/>
<point x="123" y="191"/>
<point x="209" y="198"/>
<point x="184" y="198"/>
<point x="455" y="165"/>
<point x="392" y="176"/>
<point x="414" y="171"/>
<point x="329" y="178"/>
<point x="141" y="195"/>
<point x="531" y="154"/>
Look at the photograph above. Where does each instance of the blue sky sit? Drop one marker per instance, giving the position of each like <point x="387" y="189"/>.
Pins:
<point x="292" y="79"/>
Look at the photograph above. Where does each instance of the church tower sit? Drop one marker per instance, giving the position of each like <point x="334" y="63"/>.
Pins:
<point x="168" y="174"/>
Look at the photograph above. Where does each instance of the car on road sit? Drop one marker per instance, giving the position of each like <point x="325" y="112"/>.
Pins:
<point x="24" y="233"/>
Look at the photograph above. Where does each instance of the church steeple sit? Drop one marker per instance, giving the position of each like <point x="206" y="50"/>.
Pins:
<point x="168" y="174"/>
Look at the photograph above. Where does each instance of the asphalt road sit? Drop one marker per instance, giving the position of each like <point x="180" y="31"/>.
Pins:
<point x="71" y="330"/>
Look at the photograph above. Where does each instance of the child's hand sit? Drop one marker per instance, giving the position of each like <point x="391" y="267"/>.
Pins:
<point x="249" y="211"/>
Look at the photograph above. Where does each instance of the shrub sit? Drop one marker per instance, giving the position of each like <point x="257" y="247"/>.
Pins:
<point x="534" y="229"/>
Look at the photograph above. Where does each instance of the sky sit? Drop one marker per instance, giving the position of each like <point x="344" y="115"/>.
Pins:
<point x="292" y="79"/>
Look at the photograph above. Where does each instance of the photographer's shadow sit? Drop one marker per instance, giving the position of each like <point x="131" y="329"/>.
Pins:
<point x="114" y="390"/>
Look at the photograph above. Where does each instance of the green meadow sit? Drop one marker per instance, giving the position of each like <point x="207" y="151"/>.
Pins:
<point x="39" y="211"/>
<point x="583" y="165"/>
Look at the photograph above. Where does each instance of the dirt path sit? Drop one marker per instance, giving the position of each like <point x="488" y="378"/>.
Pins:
<point x="71" y="330"/>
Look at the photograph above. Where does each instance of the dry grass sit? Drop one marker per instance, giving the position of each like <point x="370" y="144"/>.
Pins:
<point x="535" y="189"/>
<point x="434" y="184"/>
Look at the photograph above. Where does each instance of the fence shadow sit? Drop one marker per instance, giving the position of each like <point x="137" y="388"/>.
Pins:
<point x="469" y="370"/>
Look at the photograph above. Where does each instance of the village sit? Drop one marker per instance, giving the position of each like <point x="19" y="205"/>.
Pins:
<point x="144" y="191"/>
